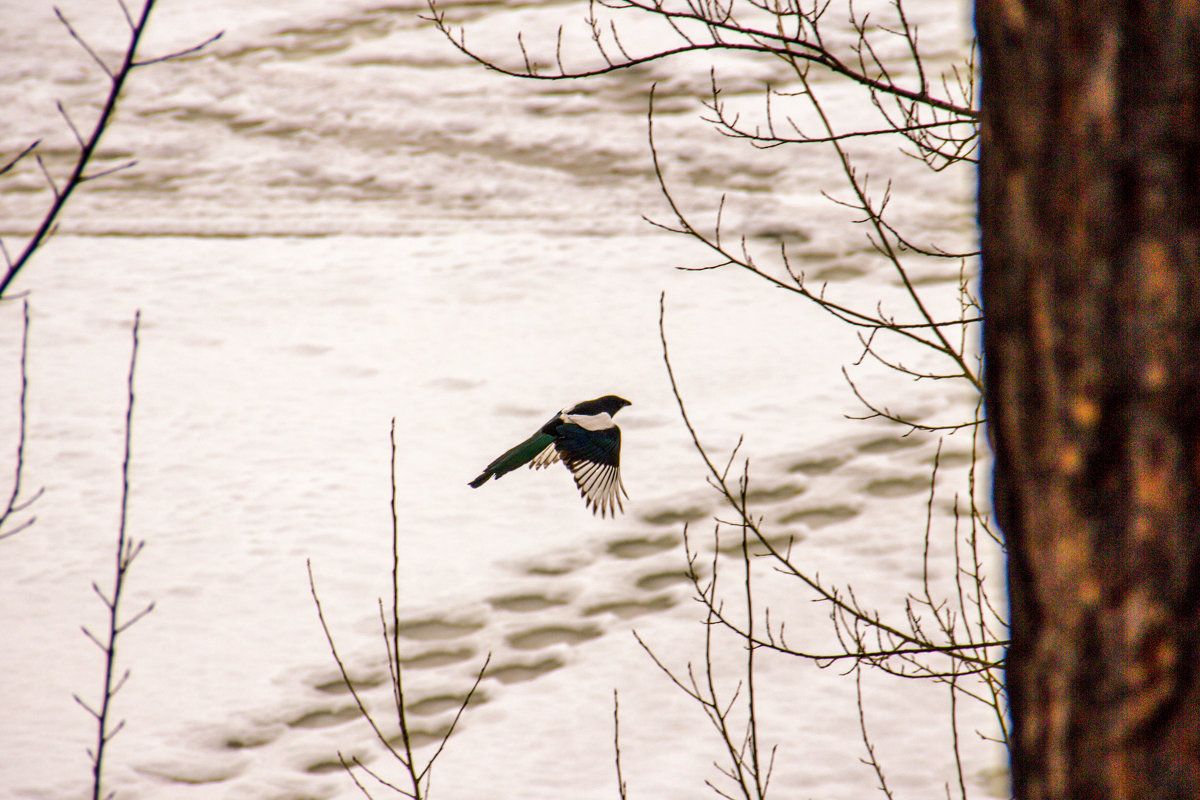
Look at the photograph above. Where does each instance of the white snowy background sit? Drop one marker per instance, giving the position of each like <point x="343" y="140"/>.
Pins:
<point x="336" y="220"/>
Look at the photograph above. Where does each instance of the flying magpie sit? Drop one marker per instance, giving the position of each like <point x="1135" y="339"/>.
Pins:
<point x="588" y="443"/>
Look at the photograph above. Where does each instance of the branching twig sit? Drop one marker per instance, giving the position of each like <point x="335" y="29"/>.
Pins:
<point x="88" y="144"/>
<point x="127" y="550"/>
<point x="15" y="504"/>
<point x="719" y="28"/>
<point x="785" y="564"/>
<point x="418" y="777"/>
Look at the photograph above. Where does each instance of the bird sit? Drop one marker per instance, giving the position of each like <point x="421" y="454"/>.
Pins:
<point x="587" y="442"/>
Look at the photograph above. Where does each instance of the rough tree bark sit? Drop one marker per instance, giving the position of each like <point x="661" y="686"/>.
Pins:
<point x="1089" y="204"/>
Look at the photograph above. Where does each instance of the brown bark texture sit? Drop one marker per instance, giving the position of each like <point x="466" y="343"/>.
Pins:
<point x="1089" y="206"/>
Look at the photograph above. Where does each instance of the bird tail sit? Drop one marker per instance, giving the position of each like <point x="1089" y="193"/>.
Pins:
<point x="518" y="456"/>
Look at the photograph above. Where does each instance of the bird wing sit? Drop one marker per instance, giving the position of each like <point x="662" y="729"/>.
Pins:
<point x="594" y="458"/>
<point x="533" y="447"/>
<point x="545" y="458"/>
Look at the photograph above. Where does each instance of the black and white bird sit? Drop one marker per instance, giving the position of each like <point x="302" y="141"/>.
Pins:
<point x="588" y="443"/>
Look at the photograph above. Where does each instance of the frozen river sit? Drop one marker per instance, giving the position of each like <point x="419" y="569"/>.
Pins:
<point x="336" y="220"/>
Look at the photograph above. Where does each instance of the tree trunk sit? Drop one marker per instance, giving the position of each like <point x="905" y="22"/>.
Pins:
<point x="1089" y="204"/>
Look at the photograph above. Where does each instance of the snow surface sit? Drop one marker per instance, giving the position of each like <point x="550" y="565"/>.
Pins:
<point x="335" y="221"/>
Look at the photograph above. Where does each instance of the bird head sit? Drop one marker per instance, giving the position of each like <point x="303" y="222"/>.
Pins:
<point x="612" y="404"/>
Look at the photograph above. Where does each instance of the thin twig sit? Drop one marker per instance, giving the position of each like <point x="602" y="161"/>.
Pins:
<point x="394" y="648"/>
<point x="15" y="505"/>
<point x="362" y="708"/>
<point x="753" y="40"/>
<point x="126" y="551"/>
<point x="88" y="144"/>
<point x="732" y="500"/>
<point x="621" y="787"/>
<point x="13" y="161"/>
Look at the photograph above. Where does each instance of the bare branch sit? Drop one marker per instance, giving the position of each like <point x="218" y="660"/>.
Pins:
<point x="187" y="51"/>
<point x="13" y="162"/>
<point x="15" y="505"/>
<point x="342" y="669"/>
<point x="89" y="143"/>
<point x="125" y="551"/>
<point x="755" y="40"/>
<point x="621" y="787"/>
<point x="87" y="48"/>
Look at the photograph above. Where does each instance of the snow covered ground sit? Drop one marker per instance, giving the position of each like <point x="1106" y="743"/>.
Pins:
<point x="336" y="221"/>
